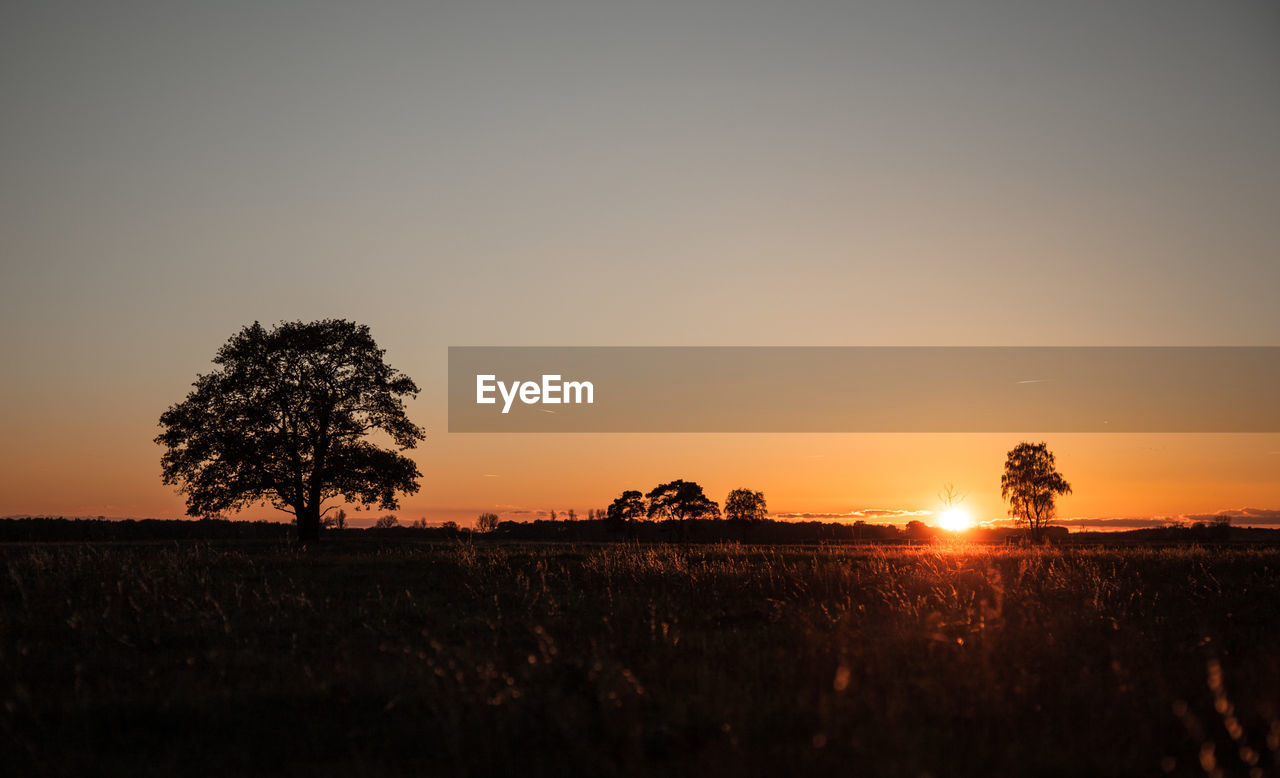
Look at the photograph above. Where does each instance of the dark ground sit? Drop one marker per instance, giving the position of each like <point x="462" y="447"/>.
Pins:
<point x="373" y="657"/>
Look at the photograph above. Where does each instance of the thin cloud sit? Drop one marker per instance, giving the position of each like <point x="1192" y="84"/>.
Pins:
<point x="861" y="515"/>
<point x="1240" y="516"/>
<point x="1119" y="523"/>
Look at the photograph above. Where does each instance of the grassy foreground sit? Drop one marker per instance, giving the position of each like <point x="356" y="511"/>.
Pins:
<point x="459" y="659"/>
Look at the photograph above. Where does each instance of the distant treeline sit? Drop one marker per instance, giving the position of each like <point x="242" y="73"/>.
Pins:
<point x="713" y="530"/>
<point x="1199" y="532"/>
<point x="58" y="529"/>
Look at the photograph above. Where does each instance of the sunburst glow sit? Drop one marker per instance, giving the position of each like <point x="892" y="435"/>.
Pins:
<point x="955" y="520"/>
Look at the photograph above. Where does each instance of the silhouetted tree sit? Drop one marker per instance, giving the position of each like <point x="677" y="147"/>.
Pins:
<point x="745" y="505"/>
<point x="487" y="522"/>
<point x="950" y="496"/>
<point x="627" y="508"/>
<point x="571" y="516"/>
<point x="681" y="501"/>
<point x="337" y="521"/>
<point x="551" y="515"/>
<point x="449" y="526"/>
<point x="283" y="421"/>
<point x="918" y="530"/>
<point x="388" y="521"/>
<point x="1031" y="483"/>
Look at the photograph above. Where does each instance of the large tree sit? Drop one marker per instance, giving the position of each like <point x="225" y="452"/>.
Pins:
<point x="681" y="500"/>
<point x="1031" y="483"/>
<point x="284" y="420"/>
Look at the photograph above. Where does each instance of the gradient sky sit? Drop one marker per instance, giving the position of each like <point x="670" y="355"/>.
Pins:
<point x="656" y="173"/>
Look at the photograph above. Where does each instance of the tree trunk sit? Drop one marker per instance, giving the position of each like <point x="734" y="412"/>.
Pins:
<point x="309" y="525"/>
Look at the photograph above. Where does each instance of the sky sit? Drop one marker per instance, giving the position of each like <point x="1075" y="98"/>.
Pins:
<point x="659" y="173"/>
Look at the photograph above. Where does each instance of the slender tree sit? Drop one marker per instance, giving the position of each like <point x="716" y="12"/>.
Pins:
<point x="337" y="521"/>
<point x="1031" y="483"/>
<point x="950" y="496"/>
<point x="487" y="522"/>
<point x="283" y="420"/>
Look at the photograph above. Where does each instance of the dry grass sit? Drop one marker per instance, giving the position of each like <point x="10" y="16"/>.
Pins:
<point x="619" y="660"/>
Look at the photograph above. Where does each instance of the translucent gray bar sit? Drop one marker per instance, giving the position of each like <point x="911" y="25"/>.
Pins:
<point x="870" y="389"/>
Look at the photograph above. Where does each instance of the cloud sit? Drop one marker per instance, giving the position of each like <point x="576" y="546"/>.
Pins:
<point x="516" y="513"/>
<point x="1118" y="523"/>
<point x="867" y="514"/>
<point x="1242" y="517"/>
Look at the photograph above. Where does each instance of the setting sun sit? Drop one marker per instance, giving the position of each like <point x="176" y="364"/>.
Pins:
<point x="955" y="520"/>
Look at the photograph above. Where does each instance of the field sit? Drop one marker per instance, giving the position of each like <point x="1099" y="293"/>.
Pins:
<point x="374" y="658"/>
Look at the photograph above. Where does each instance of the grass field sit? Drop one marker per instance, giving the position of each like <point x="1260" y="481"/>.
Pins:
<point x="459" y="659"/>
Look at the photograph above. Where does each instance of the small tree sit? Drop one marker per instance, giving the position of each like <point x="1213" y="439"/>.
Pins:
<point x="551" y="515"/>
<point x="387" y="522"/>
<point x="950" y="496"/>
<point x="745" y="505"/>
<point x="627" y="508"/>
<point x="1031" y="483"/>
<point x="487" y="522"/>
<point x="571" y="516"/>
<point x="681" y="501"/>
<point x="336" y="521"/>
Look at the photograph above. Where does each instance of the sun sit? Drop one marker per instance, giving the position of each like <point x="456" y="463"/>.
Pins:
<point x="955" y="520"/>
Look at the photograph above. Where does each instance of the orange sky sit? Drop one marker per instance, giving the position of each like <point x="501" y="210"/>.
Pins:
<point x="112" y="469"/>
<point x="667" y="173"/>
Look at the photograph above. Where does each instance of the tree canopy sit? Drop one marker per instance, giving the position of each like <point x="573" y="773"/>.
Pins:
<point x="681" y="500"/>
<point x="745" y="505"/>
<point x="627" y="508"/>
<point x="284" y="420"/>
